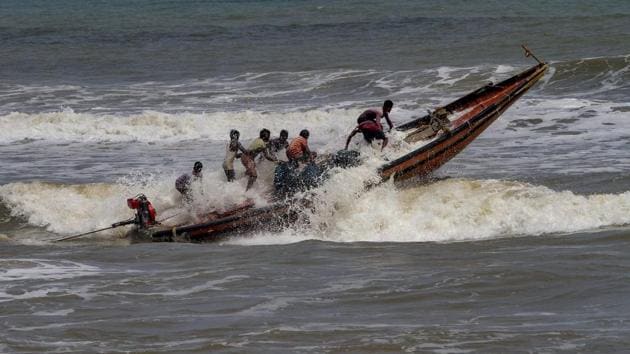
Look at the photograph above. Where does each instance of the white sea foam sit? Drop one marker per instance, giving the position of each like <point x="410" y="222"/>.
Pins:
<point x="345" y="212"/>
<point x="286" y="236"/>
<point x="72" y="209"/>
<point x="213" y="285"/>
<point x="64" y="312"/>
<point x="593" y="119"/>
<point x="450" y="210"/>
<point x="16" y="269"/>
<point x="449" y="75"/>
<point x="69" y="209"/>
<point x="505" y="69"/>
<point x="455" y="210"/>
<point x="152" y="126"/>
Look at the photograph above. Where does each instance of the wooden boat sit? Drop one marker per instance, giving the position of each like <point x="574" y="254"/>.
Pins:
<point x="447" y="131"/>
<point x="237" y="219"/>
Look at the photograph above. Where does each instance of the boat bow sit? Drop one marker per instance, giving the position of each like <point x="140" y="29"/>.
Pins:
<point x="474" y="113"/>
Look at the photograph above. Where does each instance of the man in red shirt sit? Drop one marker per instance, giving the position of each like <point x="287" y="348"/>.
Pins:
<point x="371" y="130"/>
<point x="298" y="148"/>
<point x="369" y="123"/>
<point x="376" y="115"/>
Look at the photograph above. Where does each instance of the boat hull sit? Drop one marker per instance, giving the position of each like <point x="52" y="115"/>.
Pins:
<point x="274" y="216"/>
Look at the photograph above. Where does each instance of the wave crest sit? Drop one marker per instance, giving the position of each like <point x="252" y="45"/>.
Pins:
<point x="445" y="211"/>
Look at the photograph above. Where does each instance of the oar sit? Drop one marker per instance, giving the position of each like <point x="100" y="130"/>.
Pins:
<point x="170" y="217"/>
<point x="528" y="53"/>
<point x="115" y="225"/>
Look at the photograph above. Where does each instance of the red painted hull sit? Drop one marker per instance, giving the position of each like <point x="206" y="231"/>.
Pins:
<point x="481" y="108"/>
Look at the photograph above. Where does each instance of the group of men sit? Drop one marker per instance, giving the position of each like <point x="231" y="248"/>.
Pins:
<point x="296" y="150"/>
<point x="368" y="123"/>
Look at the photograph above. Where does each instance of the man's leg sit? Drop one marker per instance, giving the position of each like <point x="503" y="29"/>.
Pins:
<point x="250" y="182"/>
<point x="250" y="170"/>
<point x="230" y="175"/>
<point x="384" y="143"/>
<point x="381" y="136"/>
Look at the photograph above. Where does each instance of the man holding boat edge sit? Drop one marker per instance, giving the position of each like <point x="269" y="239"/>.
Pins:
<point x="369" y="123"/>
<point x="376" y="115"/>
<point x="232" y="152"/>
<point x="298" y="150"/>
<point x="183" y="182"/>
<point x="257" y="146"/>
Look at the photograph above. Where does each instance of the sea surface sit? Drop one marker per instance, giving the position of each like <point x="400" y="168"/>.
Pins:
<point x="518" y="245"/>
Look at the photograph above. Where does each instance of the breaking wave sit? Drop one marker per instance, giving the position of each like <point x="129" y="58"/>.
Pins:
<point x="76" y="208"/>
<point x="603" y="78"/>
<point x="445" y="211"/>
<point x="154" y="126"/>
<point x="462" y="209"/>
<point x="585" y="116"/>
<point x="196" y="109"/>
<point x="266" y="92"/>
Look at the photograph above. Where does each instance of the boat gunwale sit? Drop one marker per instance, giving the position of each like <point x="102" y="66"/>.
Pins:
<point x="462" y="102"/>
<point x="479" y="127"/>
<point x="255" y="212"/>
<point x="532" y="75"/>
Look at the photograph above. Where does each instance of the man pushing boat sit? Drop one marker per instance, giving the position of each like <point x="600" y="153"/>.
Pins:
<point x="256" y="147"/>
<point x="184" y="182"/>
<point x="298" y="150"/>
<point x="369" y="123"/>
<point x="232" y="152"/>
<point x="279" y="143"/>
<point x="375" y="114"/>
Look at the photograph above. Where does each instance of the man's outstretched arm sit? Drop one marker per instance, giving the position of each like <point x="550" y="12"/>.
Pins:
<point x="354" y="132"/>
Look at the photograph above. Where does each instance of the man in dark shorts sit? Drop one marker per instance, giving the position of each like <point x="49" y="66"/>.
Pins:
<point x="369" y="123"/>
<point x="371" y="131"/>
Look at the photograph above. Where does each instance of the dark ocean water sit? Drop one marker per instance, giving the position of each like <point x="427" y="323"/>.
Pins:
<point x="519" y="246"/>
<point x="548" y="294"/>
<point x="127" y="42"/>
